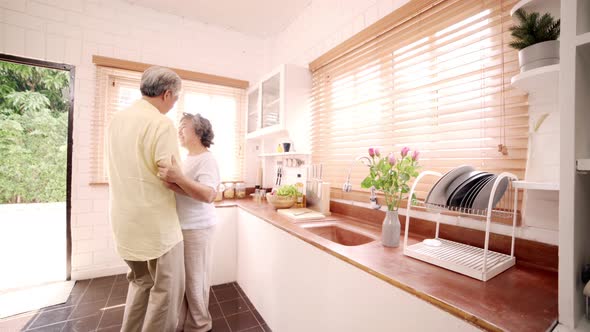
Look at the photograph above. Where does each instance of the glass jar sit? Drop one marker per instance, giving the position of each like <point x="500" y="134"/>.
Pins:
<point x="240" y="190"/>
<point x="229" y="192"/>
<point x="219" y="195"/>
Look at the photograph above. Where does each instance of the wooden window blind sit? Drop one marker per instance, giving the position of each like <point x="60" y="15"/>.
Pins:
<point x="437" y="81"/>
<point x="224" y="106"/>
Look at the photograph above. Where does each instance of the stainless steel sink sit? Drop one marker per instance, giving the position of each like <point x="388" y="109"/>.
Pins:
<point x="338" y="233"/>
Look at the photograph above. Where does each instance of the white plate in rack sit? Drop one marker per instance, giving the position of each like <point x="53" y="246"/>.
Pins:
<point x="470" y="197"/>
<point x="482" y="199"/>
<point x="437" y="194"/>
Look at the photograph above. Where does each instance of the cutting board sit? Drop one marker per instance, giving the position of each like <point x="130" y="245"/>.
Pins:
<point x="301" y="214"/>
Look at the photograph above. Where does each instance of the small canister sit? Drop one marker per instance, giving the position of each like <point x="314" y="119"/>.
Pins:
<point x="229" y="192"/>
<point x="240" y="190"/>
<point x="219" y="195"/>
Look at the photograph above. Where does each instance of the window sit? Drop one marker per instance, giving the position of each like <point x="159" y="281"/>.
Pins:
<point x="436" y="80"/>
<point x="223" y="106"/>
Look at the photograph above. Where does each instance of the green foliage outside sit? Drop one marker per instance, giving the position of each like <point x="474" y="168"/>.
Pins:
<point x="533" y="29"/>
<point x="34" y="108"/>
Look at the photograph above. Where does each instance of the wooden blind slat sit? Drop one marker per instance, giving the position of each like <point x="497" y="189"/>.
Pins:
<point x="437" y="80"/>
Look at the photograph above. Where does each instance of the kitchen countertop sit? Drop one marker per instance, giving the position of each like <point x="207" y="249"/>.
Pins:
<point x="523" y="298"/>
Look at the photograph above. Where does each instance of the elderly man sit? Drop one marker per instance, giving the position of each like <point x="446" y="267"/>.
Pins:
<point x="142" y="210"/>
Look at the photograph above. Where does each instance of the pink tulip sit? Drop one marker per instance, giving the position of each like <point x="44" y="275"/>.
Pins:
<point x="391" y="159"/>
<point x="372" y="152"/>
<point x="405" y="151"/>
<point x="377" y="153"/>
<point x="415" y="155"/>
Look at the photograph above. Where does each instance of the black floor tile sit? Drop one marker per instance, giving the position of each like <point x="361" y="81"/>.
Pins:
<point x="87" y="309"/>
<point x="220" y="325"/>
<point x="103" y="281"/>
<point x="226" y="294"/>
<point x="116" y="301"/>
<point x="111" y="317"/>
<point x="52" y="316"/>
<point x="98" y="305"/>
<point x="234" y="306"/>
<point x="222" y="286"/>
<point x="57" y="327"/>
<point x="98" y="293"/>
<point x="84" y="324"/>
<point x="215" y="311"/>
<point x="242" y="321"/>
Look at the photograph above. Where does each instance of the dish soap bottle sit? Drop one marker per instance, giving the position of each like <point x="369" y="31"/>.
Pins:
<point x="300" y="202"/>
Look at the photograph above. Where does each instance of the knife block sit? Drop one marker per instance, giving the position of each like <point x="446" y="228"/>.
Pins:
<point x="318" y="196"/>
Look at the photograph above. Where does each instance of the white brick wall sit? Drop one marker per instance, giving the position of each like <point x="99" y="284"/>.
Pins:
<point x="322" y="25"/>
<point x="71" y="31"/>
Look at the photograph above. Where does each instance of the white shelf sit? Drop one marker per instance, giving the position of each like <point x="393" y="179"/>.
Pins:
<point x="583" y="39"/>
<point x="538" y="80"/>
<point x="541" y="6"/>
<point x="275" y="130"/>
<point x="281" y="154"/>
<point x="536" y="185"/>
<point x="270" y="104"/>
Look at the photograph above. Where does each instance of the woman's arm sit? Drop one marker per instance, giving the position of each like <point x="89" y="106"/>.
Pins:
<point x="196" y="190"/>
<point x="174" y="187"/>
<point x="187" y="186"/>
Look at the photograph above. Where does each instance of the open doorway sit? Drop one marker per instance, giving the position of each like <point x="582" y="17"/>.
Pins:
<point x="36" y="123"/>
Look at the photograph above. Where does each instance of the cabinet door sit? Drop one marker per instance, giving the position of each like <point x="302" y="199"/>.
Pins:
<point x="271" y="101"/>
<point x="253" y="110"/>
<point x="224" y="247"/>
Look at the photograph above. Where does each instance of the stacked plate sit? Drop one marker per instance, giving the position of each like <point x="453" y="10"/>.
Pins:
<point x="465" y="188"/>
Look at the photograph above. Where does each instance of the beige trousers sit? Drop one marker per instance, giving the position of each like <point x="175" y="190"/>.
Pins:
<point x="194" y="313"/>
<point x="155" y="293"/>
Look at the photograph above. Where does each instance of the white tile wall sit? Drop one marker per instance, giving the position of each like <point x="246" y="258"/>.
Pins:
<point x="323" y="25"/>
<point x="71" y="31"/>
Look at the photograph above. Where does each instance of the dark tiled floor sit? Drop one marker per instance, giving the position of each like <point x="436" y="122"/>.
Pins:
<point x="98" y="304"/>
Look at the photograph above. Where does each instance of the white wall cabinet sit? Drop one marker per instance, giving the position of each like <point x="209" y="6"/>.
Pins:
<point x="272" y="100"/>
<point x="298" y="287"/>
<point x="278" y="111"/>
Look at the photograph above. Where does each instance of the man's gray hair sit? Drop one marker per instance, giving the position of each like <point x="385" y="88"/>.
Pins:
<point x="156" y="80"/>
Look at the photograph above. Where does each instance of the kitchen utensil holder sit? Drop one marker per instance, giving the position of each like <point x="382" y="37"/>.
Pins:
<point x="482" y="264"/>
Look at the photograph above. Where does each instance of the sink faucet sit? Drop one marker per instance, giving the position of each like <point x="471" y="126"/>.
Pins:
<point x="347" y="186"/>
<point x="373" y="199"/>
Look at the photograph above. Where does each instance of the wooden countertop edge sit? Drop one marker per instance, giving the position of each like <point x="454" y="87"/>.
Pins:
<point x="479" y="322"/>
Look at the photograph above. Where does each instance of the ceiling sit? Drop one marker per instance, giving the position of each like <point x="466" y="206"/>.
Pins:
<point x="261" y="18"/>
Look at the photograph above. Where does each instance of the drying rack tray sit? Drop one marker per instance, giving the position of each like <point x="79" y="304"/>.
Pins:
<point x="462" y="258"/>
<point x="479" y="263"/>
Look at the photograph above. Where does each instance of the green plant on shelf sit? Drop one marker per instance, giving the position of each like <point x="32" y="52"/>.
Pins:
<point x="533" y="29"/>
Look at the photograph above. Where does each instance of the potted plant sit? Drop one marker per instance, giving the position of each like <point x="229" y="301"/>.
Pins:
<point x="391" y="176"/>
<point x="536" y="39"/>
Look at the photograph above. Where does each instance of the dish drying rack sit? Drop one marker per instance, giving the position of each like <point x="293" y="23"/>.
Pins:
<point x="482" y="264"/>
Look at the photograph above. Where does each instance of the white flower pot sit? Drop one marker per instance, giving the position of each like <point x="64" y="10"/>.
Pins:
<point x="539" y="55"/>
<point x="390" y="230"/>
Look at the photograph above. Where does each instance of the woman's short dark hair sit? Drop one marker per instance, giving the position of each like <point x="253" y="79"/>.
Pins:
<point x="202" y="127"/>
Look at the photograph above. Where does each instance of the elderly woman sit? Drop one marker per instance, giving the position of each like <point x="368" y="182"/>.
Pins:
<point x="195" y="186"/>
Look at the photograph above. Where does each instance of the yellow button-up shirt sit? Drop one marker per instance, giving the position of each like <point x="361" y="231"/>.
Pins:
<point x="142" y="210"/>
